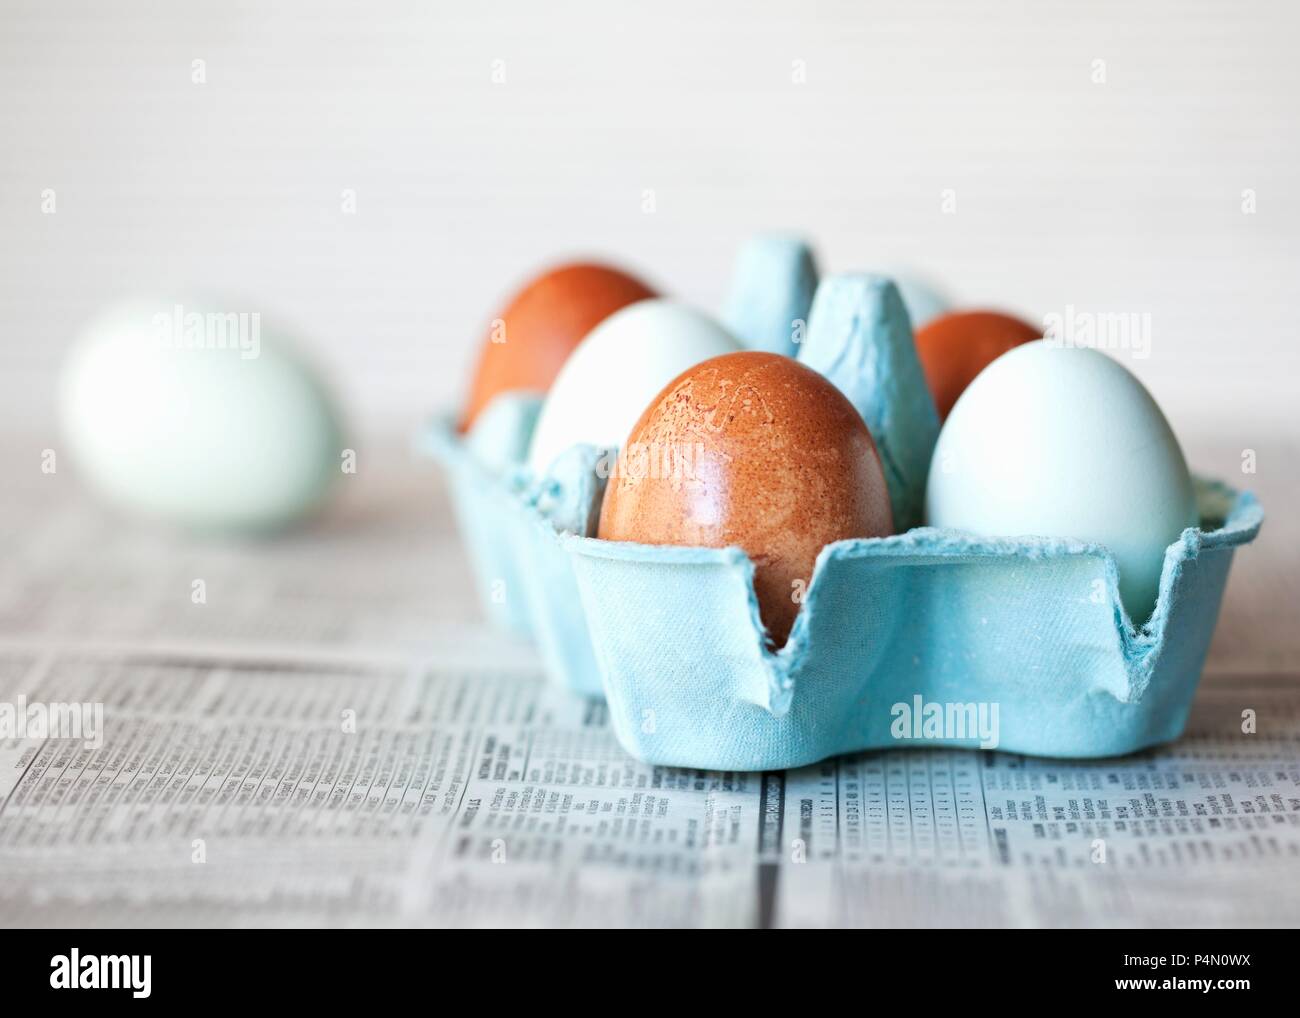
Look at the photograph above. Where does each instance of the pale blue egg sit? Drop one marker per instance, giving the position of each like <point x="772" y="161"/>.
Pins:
<point x="1059" y="442"/>
<point x="197" y="415"/>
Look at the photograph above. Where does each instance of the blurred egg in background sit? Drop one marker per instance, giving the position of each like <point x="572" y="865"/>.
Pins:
<point x="192" y="414"/>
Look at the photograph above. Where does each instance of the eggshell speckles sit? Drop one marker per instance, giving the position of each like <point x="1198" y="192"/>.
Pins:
<point x="528" y="342"/>
<point x="617" y="369"/>
<point x="954" y="348"/>
<point x="757" y="451"/>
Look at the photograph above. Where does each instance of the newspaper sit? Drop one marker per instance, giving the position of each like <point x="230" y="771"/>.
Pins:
<point x="317" y="730"/>
<point x="288" y="792"/>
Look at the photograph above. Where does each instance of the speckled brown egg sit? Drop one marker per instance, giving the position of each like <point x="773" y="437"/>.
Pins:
<point x="528" y="342"/>
<point x="757" y="451"/>
<point x="956" y="347"/>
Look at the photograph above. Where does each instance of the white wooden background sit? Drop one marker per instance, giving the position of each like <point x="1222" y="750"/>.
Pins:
<point x="844" y="120"/>
<point x="1120" y="196"/>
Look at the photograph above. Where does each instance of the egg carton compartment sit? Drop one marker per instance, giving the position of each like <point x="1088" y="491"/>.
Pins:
<point x="522" y="572"/>
<point x="484" y="503"/>
<point x="928" y="638"/>
<point x="508" y="520"/>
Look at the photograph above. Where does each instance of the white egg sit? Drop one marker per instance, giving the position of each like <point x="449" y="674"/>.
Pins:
<point x="1061" y="442"/>
<point x="198" y="417"/>
<point x="614" y="373"/>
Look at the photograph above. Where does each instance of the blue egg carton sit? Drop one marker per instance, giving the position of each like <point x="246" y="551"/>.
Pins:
<point x="509" y="521"/>
<point x="522" y="573"/>
<point x="929" y="638"/>
<point x="926" y="638"/>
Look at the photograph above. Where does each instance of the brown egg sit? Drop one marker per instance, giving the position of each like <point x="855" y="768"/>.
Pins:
<point x="956" y="347"/>
<point x="529" y="341"/>
<point x="753" y="450"/>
